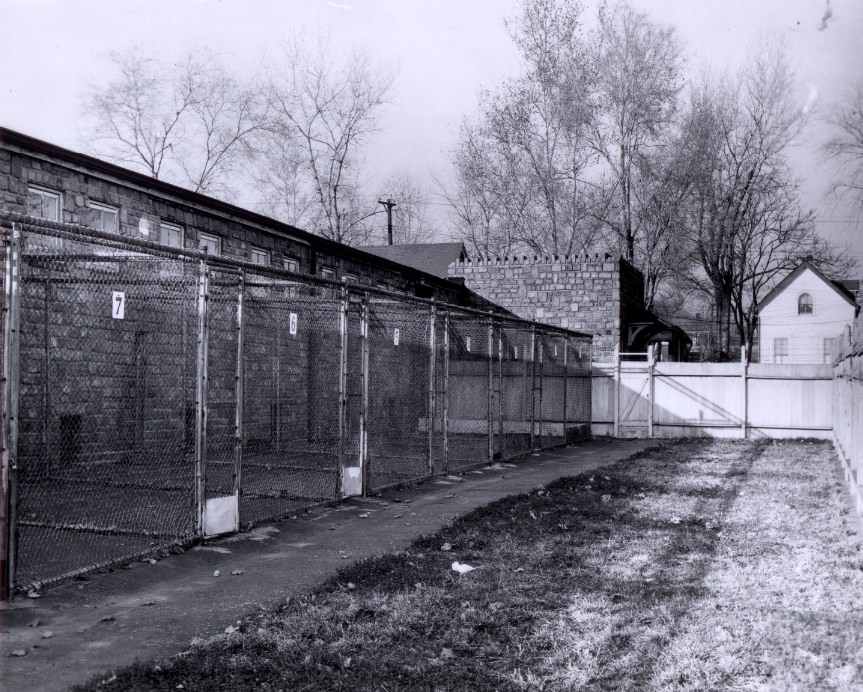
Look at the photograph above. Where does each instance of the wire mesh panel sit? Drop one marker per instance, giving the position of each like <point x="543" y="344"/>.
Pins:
<point x="550" y="405"/>
<point x="578" y="388"/>
<point x="223" y="343"/>
<point x="107" y="372"/>
<point x="467" y="391"/>
<point x="399" y="380"/>
<point x="291" y="397"/>
<point x="516" y="388"/>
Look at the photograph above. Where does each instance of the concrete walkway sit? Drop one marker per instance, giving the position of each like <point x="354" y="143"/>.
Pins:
<point x="83" y="628"/>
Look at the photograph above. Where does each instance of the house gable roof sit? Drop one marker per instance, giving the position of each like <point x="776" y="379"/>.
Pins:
<point x="433" y="258"/>
<point x="837" y="286"/>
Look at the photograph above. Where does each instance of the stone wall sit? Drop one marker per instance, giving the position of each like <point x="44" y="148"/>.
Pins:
<point x="584" y="293"/>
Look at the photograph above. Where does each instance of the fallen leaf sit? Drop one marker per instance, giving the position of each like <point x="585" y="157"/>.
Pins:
<point x="364" y="515"/>
<point x="461" y="568"/>
<point x="351" y="585"/>
<point x="47" y="634"/>
<point x="19" y="652"/>
<point x="446" y="547"/>
<point x="230" y="629"/>
<point x="32" y="593"/>
<point x="217" y="573"/>
<point x="447" y="654"/>
<point x="236" y="572"/>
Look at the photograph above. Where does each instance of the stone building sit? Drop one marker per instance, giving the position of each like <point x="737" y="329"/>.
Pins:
<point x="593" y="293"/>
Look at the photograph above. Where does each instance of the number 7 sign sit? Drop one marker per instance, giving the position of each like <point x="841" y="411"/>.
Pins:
<point x="118" y="305"/>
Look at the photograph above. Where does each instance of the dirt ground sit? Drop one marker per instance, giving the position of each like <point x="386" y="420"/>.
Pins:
<point x="698" y="565"/>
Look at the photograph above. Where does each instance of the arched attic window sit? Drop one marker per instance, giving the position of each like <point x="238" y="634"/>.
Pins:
<point x="804" y="304"/>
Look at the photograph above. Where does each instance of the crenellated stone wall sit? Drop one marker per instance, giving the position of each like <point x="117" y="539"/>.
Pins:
<point x="589" y="293"/>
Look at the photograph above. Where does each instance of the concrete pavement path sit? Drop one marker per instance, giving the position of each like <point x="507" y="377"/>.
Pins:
<point x="83" y="628"/>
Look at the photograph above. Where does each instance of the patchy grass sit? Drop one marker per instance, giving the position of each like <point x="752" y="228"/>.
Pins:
<point x="701" y="565"/>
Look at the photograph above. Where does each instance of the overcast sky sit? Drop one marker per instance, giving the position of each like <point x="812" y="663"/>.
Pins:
<point x="445" y="50"/>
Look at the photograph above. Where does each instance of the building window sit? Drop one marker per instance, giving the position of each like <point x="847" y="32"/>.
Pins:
<point x="780" y="350"/>
<point x="385" y="287"/>
<point x="103" y="217"/>
<point x="827" y="350"/>
<point x="169" y="234"/>
<point x="210" y="243"/>
<point x="328" y="272"/>
<point x="292" y="264"/>
<point x="44" y="204"/>
<point x="261" y="257"/>
<point x="804" y="304"/>
<point x="351" y="278"/>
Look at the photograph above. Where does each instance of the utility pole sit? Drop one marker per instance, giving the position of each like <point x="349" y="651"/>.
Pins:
<point x="389" y="204"/>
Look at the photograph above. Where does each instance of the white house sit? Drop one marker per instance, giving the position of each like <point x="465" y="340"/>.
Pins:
<point x="803" y="316"/>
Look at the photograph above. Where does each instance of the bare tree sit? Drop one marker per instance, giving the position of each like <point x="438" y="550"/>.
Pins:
<point x="331" y="111"/>
<point x="189" y="124"/>
<point x="519" y="166"/>
<point x="845" y="147"/>
<point x="637" y="67"/>
<point x="743" y="205"/>
<point x="410" y="215"/>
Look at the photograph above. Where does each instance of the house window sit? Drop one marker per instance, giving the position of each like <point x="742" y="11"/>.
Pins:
<point x="351" y="278"/>
<point x="44" y="204"/>
<point x="102" y="217"/>
<point x="261" y="257"/>
<point x="804" y="304"/>
<point x="780" y="350"/>
<point x="210" y="243"/>
<point x="292" y="264"/>
<point x="169" y="234"/>
<point x="827" y="350"/>
<point x="328" y="272"/>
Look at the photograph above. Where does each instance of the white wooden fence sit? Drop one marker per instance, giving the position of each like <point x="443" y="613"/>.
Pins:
<point x="636" y="396"/>
<point x="848" y="408"/>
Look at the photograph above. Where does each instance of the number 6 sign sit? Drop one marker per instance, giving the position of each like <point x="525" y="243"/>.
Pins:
<point x="118" y="305"/>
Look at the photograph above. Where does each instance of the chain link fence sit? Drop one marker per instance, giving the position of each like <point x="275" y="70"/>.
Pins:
<point x="156" y="396"/>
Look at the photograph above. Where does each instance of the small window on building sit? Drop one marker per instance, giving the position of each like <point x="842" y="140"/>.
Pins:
<point x="103" y="217"/>
<point x="328" y="272"/>
<point x="804" y="304"/>
<point x="261" y="257"/>
<point x="827" y="350"/>
<point x="351" y="278"/>
<point x="780" y="350"/>
<point x="385" y="287"/>
<point x="44" y="204"/>
<point x="169" y="234"/>
<point x="292" y="264"/>
<point x="211" y="243"/>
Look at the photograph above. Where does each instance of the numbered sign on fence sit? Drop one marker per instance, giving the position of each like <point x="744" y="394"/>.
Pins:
<point x="395" y="337"/>
<point x="118" y="305"/>
<point x="292" y="324"/>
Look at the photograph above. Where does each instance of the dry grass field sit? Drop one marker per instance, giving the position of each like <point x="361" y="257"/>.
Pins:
<point x="699" y="565"/>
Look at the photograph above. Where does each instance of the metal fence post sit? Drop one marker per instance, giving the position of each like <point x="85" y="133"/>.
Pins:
<point x="9" y="441"/>
<point x="364" y="404"/>
<point x="445" y="392"/>
<point x="490" y="415"/>
<point x="201" y="396"/>
<point x="565" y="383"/>
<point x="650" y="389"/>
<point x="616" y="391"/>
<point x="432" y="384"/>
<point x="744" y="404"/>
<point x="239" y="390"/>
<point x="343" y="386"/>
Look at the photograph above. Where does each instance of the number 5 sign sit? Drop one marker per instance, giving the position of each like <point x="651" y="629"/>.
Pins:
<point x="118" y="305"/>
